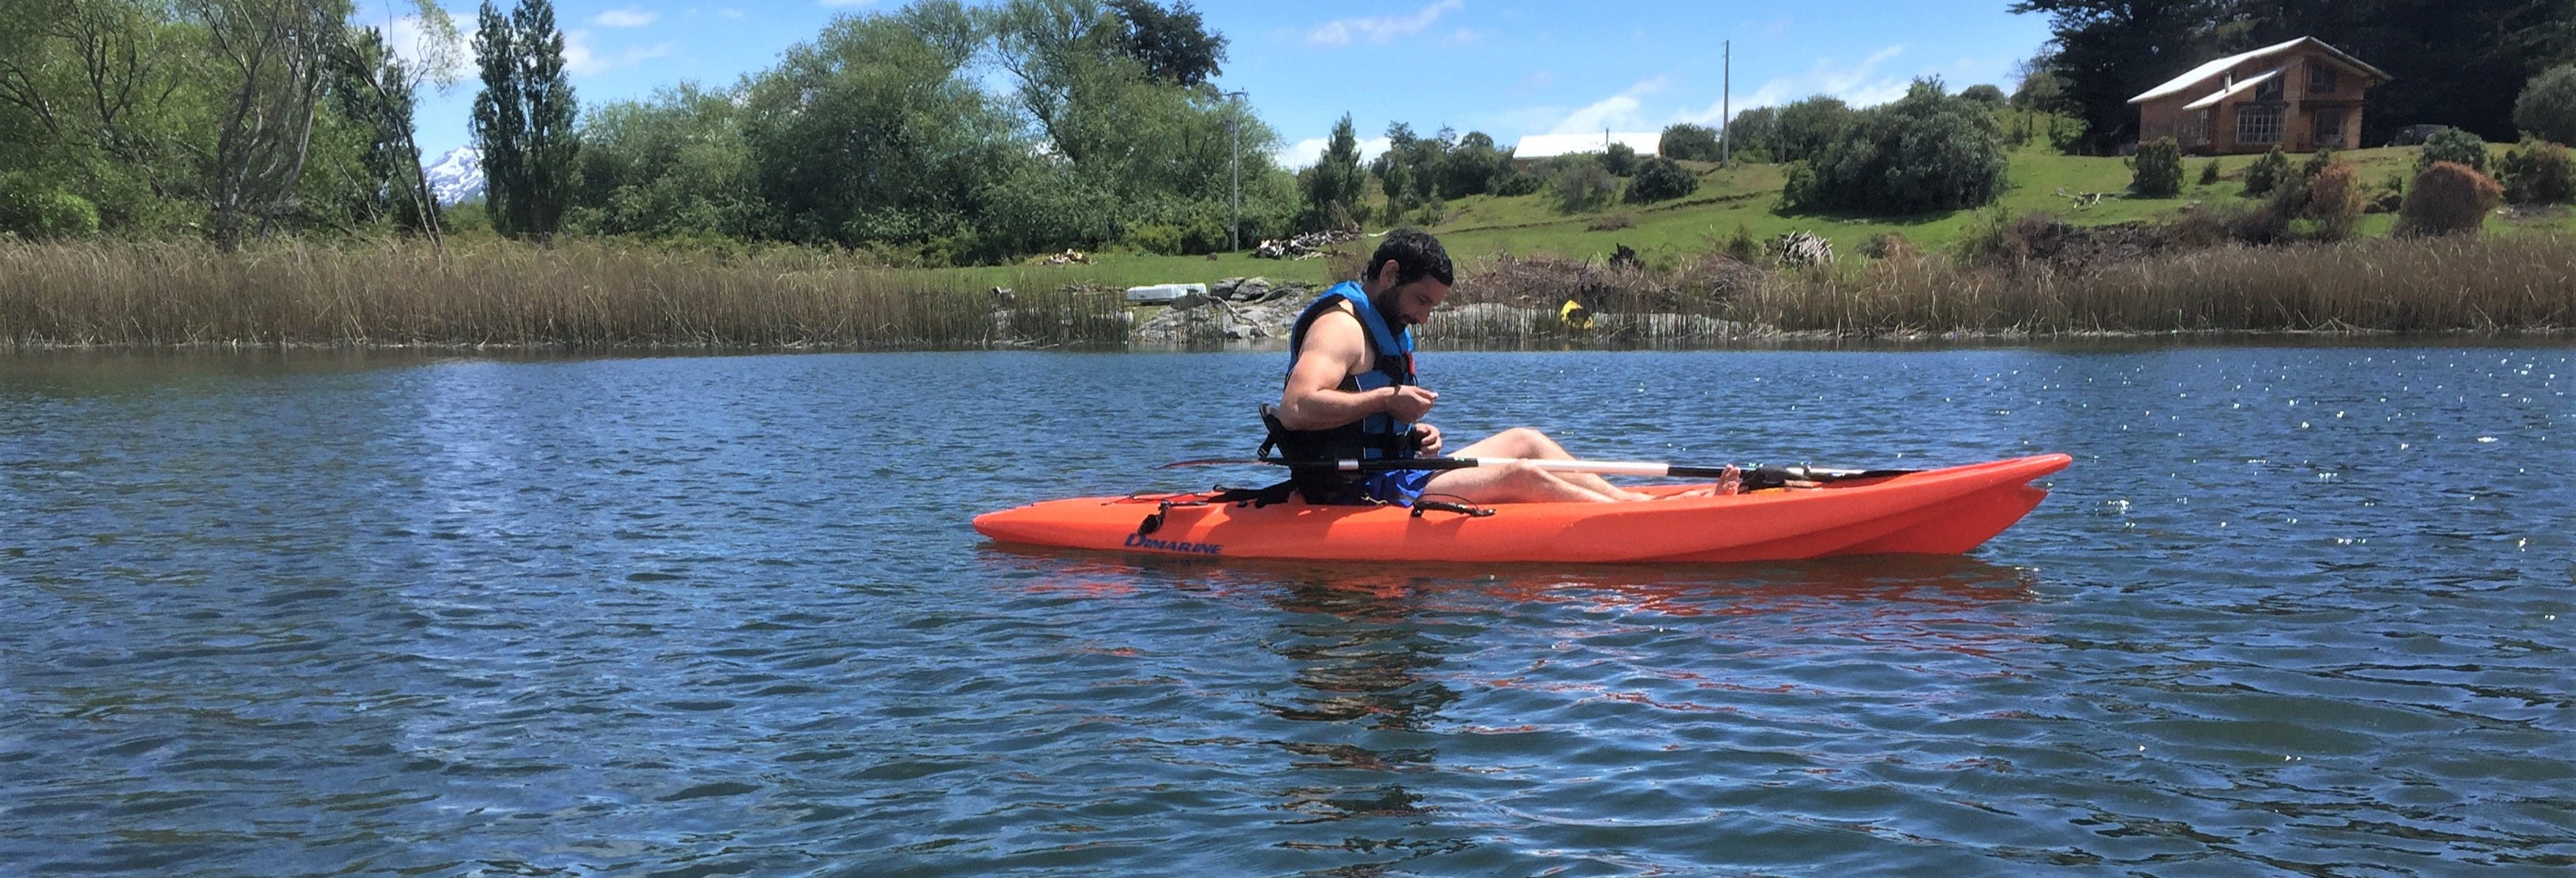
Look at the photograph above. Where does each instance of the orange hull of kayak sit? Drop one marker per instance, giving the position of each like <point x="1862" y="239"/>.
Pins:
<point x="1935" y="512"/>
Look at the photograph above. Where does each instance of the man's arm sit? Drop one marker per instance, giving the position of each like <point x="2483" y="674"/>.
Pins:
<point x="1336" y="347"/>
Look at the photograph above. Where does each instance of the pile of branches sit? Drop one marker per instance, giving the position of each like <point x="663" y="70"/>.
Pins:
<point x="1305" y="246"/>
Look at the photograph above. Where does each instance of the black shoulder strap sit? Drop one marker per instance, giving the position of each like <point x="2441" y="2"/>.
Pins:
<point x="1258" y="497"/>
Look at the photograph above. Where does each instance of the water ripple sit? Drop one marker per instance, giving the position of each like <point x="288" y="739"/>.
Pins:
<point x="2294" y="609"/>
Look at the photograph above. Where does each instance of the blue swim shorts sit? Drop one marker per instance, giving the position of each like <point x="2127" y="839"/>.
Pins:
<point x="1399" y="487"/>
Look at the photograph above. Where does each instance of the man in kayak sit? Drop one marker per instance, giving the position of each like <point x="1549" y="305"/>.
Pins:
<point x="1351" y="394"/>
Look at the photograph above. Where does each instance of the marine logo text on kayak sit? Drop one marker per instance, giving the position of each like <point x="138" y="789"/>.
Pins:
<point x="1141" y="541"/>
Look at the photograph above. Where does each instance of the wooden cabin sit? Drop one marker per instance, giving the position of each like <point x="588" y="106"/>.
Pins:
<point x="2301" y="96"/>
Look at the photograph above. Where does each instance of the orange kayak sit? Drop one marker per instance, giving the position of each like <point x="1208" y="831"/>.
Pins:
<point x="1933" y="512"/>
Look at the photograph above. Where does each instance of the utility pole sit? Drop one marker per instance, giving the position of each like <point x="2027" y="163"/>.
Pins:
<point x="1234" y="170"/>
<point x="1725" y="112"/>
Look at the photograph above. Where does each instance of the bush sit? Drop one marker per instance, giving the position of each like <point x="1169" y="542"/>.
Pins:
<point x="2448" y="198"/>
<point x="1802" y="130"/>
<point x="1620" y="160"/>
<point x="2334" y="200"/>
<point x="2209" y="173"/>
<point x="1518" y="183"/>
<point x="1888" y="245"/>
<point x="2455" y="146"/>
<point x="40" y="212"/>
<point x="1581" y="184"/>
<point x="2538" y="172"/>
<point x="1752" y="132"/>
<point x="1661" y="179"/>
<point x="1741" y="245"/>
<point x="2317" y="163"/>
<point x="1924" y="152"/>
<point x="1989" y="95"/>
<point x="2267" y="173"/>
<point x="1152" y="238"/>
<point x="2547" y="107"/>
<point x="1687" y="141"/>
<point x="2159" y="169"/>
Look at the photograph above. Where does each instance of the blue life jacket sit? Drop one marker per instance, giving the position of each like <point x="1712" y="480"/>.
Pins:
<point x="1376" y="436"/>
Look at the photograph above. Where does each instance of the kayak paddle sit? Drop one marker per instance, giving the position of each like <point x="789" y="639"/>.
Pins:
<point x="1603" y="467"/>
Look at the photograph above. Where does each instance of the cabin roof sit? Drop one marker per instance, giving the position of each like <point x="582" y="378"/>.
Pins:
<point x="2203" y="73"/>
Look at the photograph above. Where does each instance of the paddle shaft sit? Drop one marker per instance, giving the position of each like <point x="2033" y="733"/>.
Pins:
<point x="1599" y="467"/>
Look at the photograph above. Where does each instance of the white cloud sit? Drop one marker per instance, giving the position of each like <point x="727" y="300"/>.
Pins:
<point x="628" y="17"/>
<point x="1379" y="29"/>
<point x="1860" y="85"/>
<point x="1307" y="152"/>
<point x="1616" y="112"/>
<point x="581" y="58"/>
<point x="578" y="56"/>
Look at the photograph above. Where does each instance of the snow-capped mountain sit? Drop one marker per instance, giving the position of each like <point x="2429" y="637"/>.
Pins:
<point x="457" y="177"/>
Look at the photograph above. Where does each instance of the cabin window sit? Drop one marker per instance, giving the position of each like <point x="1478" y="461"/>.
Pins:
<point x="2258" y="123"/>
<point x="2321" y="79"/>
<point x="2329" y="127"/>
<point x="2268" y="91"/>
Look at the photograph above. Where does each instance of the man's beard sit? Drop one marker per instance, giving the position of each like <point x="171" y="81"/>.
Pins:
<point x="1394" y="317"/>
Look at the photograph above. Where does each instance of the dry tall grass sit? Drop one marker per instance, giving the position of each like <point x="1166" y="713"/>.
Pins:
<point x="2480" y="284"/>
<point x="600" y="295"/>
<point x="573" y="295"/>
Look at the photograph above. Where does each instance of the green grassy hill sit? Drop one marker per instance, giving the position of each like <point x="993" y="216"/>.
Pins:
<point x="1481" y="227"/>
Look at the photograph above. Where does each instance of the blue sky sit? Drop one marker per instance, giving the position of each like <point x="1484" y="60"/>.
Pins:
<point x="1505" y="68"/>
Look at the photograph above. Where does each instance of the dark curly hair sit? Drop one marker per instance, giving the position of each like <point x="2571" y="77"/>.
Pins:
<point x="1416" y="255"/>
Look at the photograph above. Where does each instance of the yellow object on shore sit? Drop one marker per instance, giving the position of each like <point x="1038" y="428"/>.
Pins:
<point x="1574" y="315"/>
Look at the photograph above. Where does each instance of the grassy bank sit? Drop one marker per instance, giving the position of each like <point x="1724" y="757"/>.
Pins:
<point x="575" y="295"/>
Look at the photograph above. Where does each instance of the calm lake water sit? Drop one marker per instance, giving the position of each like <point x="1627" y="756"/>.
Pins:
<point x="2293" y="610"/>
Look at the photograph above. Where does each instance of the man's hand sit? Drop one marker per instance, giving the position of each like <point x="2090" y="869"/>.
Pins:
<point x="1410" y="403"/>
<point x="1426" y="439"/>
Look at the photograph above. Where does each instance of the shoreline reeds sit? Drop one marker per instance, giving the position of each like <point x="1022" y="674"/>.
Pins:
<point x="576" y="295"/>
<point x="600" y="295"/>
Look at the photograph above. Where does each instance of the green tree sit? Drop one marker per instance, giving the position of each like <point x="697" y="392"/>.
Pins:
<point x="2159" y="169"/>
<point x="1580" y="182"/>
<point x="1619" y="159"/>
<point x="2107" y="51"/>
<point x="272" y="58"/>
<point x="2268" y="173"/>
<point x="499" y="119"/>
<point x="2547" y="105"/>
<point x="109" y="100"/>
<point x="1661" y="179"/>
<point x="1332" y="187"/>
<point x="1161" y="150"/>
<point x="1173" y="45"/>
<point x="1751" y="135"/>
<point x="374" y="91"/>
<point x="524" y="119"/>
<point x="1806" y="128"/>
<point x="676" y="166"/>
<point x="2538" y="172"/>
<point x="2452" y="145"/>
<point x="1471" y="167"/>
<point x="872" y="134"/>
<point x="1924" y="152"/>
<point x="1684" y="140"/>
<point x="552" y="143"/>
<point x="1991" y="96"/>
